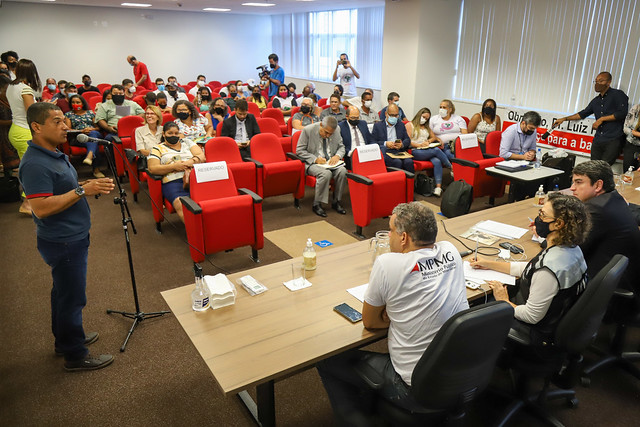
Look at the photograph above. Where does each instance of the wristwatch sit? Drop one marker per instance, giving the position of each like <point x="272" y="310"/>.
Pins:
<point x="80" y="190"/>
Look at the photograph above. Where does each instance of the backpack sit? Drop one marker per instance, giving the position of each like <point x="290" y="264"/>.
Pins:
<point x="424" y="185"/>
<point x="456" y="199"/>
<point x="9" y="189"/>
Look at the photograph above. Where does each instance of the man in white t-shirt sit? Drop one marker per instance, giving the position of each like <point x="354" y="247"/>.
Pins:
<point x="347" y="74"/>
<point x="412" y="291"/>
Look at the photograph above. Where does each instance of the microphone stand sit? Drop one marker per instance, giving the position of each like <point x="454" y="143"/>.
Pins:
<point x="137" y="316"/>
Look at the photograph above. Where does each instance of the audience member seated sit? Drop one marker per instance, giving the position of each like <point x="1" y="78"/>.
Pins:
<point x="109" y="112"/>
<point x="413" y="304"/>
<point x="631" y="130"/>
<point x="150" y="98"/>
<point x="86" y="85"/>
<point x="173" y="159"/>
<point x="203" y="99"/>
<point x="83" y="119"/>
<point x="257" y="98"/>
<point x="201" y="81"/>
<point x="335" y="109"/>
<point x="50" y="89"/>
<point x="320" y="145"/>
<point x="447" y="126"/>
<point x="193" y="125"/>
<point x="219" y="113"/>
<point x="62" y="85"/>
<point x="174" y="95"/>
<point x="554" y="279"/>
<point x="391" y="136"/>
<point x="613" y="230"/>
<point x="354" y="132"/>
<point x="316" y="109"/>
<point x="162" y="102"/>
<point x="106" y="96"/>
<point x="308" y="89"/>
<point x="232" y="96"/>
<point x="264" y="88"/>
<point x="305" y="116"/>
<point x="284" y="100"/>
<point x="367" y="112"/>
<point x="393" y="98"/>
<point x="421" y="137"/>
<point x="241" y="127"/>
<point x="159" y="85"/>
<point x="291" y="87"/>
<point x="129" y="89"/>
<point x="150" y="134"/>
<point x="243" y="89"/>
<point x="484" y="122"/>
<point x="519" y="140"/>
<point x="174" y="82"/>
<point x="63" y="103"/>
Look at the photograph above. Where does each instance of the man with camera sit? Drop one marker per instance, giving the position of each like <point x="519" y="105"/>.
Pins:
<point x="275" y="76"/>
<point x="347" y="74"/>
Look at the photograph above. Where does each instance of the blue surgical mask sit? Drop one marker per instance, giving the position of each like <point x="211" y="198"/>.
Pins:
<point x="161" y="88"/>
<point x="51" y="87"/>
<point x="392" y="120"/>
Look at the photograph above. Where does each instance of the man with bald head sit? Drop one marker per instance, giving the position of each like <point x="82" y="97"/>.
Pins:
<point x="141" y="75"/>
<point x="392" y="138"/>
<point x="354" y="132"/>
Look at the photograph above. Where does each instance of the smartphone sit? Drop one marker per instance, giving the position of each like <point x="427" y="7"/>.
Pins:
<point x="512" y="248"/>
<point x="349" y="312"/>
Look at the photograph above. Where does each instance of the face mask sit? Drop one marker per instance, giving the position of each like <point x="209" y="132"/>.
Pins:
<point x="117" y="99"/>
<point x="200" y="83"/>
<point x="12" y="65"/>
<point x="353" y="122"/>
<point x="132" y="89"/>
<point x="172" y="139"/>
<point x="397" y="103"/>
<point x="529" y="132"/>
<point x="600" y="87"/>
<point x="173" y="93"/>
<point x="161" y="88"/>
<point x="442" y="112"/>
<point x="542" y="228"/>
<point x="87" y="83"/>
<point x="77" y="107"/>
<point x="423" y="120"/>
<point x="392" y="120"/>
<point x="204" y="108"/>
<point x="163" y="106"/>
<point x="233" y="94"/>
<point x="305" y="109"/>
<point x="258" y="96"/>
<point x="367" y="104"/>
<point x="283" y="94"/>
<point x="489" y="111"/>
<point x="206" y="97"/>
<point x="336" y="92"/>
<point x="183" y="116"/>
<point x="69" y="94"/>
<point x="219" y="111"/>
<point x="51" y="87"/>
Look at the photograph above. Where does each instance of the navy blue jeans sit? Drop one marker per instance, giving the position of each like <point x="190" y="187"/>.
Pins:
<point x="437" y="157"/>
<point x="68" y="262"/>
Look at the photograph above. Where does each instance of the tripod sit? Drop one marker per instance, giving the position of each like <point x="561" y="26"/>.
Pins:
<point x="138" y="316"/>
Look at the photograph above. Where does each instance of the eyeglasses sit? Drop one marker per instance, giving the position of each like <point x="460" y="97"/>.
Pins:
<point x="543" y="215"/>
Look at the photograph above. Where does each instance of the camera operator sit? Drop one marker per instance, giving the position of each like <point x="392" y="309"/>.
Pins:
<point x="276" y="77"/>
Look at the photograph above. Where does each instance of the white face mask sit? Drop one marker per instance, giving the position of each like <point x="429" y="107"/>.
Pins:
<point x="397" y="103"/>
<point x="132" y="89"/>
<point x="367" y="104"/>
<point x="443" y="112"/>
<point x="423" y="120"/>
<point x="200" y="83"/>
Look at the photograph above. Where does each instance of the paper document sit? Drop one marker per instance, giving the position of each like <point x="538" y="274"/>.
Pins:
<point x="123" y="110"/>
<point x="500" y="229"/>
<point x="432" y="145"/>
<point x="401" y="155"/>
<point x="513" y="163"/>
<point x="479" y="236"/>
<point x="475" y="275"/>
<point x="359" y="291"/>
<point x="328" y="166"/>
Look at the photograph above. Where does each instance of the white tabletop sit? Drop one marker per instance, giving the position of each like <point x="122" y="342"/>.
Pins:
<point x="532" y="174"/>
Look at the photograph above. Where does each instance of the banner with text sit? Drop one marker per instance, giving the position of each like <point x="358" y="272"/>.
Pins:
<point x="573" y="136"/>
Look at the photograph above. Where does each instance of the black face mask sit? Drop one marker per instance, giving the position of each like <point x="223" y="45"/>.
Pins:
<point x="305" y="109"/>
<point x="163" y="106"/>
<point x="256" y="96"/>
<point x="183" y="116"/>
<point x="206" y="97"/>
<point x="353" y="122"/>
<point x="172" y="139"/>
<point x="12" y="65"/>
<point x="489" y="111"/>
<point x="542" y="228"/>
<point x="233" y="94"/>
<point x="117" y="99"/>
<point x="87" y="83"/>
<point x="219" y="111"/>
<point x="529" y="132"/>
<point x="173" y="93"/>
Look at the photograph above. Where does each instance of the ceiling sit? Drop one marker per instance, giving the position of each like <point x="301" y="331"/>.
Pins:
<point x="282" y="6"/>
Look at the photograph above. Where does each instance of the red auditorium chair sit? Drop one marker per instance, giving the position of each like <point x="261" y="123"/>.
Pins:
<point x="88" y="95"/>
<point x="139" y="99"/>
<point x="276" y="175"/>
<point x="253" y="108"/>
<point x="190" y="97"/>
<point x="376" y="189"/>
<point x="167" y="117"/>
<point x="94" y="101"/>
<point x="276" y="114"/>
<point x="212" y="208"/>
<point x="470" y="164"/>
<point x="158" y="203"/>
<point x="223" y="148"/>
<point x="492" y="142"/>
<point x="126" y="128"/>
<point x="323" y="102"/>
<point x="466" y="120"/>
<point x="269" y="125"/>
<point x="294" y="110"/>
<point x="103" y="86"/>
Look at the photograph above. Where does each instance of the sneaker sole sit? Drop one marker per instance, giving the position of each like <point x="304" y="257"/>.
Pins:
<point x="91" y="368"/>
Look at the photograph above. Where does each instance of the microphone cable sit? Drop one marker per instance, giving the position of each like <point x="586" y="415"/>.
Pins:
<point x="490" y="254"/>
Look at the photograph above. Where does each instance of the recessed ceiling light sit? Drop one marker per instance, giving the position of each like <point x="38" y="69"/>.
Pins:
<point x="216" y="9"/>
<point x="259" y="4"/>
<point x="135" y="4"/>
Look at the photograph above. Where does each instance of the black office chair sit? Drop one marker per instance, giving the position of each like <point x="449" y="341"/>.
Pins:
<point x="455" y="368"/>
<point x="561" y="362"/>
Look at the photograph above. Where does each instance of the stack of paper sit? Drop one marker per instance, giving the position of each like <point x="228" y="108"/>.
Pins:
<point x="500" y="229"/>
<point x="481" y="276"/>
<point x="222" y="291"/>
<point x="513" y="163"/>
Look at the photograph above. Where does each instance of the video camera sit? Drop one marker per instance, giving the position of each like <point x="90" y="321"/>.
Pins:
<point x="264" y="71"/>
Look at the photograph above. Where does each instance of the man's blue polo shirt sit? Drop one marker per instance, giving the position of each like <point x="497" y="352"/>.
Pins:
<point x="47" y="173"/>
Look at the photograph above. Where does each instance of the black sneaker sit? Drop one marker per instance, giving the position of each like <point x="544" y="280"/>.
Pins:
<point x="89" y="338"/>
<point x="89" y="363"/>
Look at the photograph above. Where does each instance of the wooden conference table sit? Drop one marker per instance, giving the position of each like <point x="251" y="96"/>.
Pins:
<point x="271" y="336"/>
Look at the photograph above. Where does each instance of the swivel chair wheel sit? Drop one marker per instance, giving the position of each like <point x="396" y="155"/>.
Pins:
<point x="572" y="402"/>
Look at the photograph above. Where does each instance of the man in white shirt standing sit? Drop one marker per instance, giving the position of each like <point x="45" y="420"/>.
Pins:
<point x="412" y="291"/>
<point x="347" y="74"/>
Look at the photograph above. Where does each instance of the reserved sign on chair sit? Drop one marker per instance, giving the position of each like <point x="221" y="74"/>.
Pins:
<point x="213" y="171"/>
<point x="369" y="153"/>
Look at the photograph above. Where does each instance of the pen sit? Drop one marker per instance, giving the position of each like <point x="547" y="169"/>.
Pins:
<point x="476" y="253"/>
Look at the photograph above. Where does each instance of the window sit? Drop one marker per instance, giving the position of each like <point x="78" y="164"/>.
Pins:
<point x="544" y="54"/>
<point x="309" y="44"/>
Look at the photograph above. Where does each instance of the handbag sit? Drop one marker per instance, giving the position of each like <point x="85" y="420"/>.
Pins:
<point x="424" y="185"/>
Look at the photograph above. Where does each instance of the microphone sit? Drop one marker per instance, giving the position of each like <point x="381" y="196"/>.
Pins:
<point x="465" y="253"/>
<point x="83" y="138"/>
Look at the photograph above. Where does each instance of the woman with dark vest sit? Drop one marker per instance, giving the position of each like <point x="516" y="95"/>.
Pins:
<point x="554" y="279"/>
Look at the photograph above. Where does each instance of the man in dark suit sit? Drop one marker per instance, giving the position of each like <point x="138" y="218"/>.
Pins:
<point x="242" y="127"/>
<point x="392" y="138"/>
<point x="613" y="228"/>
<point x="354" y="132"/>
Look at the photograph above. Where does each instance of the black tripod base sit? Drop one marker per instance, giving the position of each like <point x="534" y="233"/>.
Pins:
<point x="137" y="317"/>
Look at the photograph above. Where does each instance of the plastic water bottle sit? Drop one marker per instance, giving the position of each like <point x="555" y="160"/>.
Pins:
<point x="627" y="178"/>
<point x="309" y="256"/>
<point x="540" y="197"/>
<point x="200" y="295"/>
<point x="536" y="164"/>
<point x="556" y="189"/>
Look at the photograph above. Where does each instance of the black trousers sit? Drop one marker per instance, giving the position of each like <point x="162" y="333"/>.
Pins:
<point x="607" y="150"/>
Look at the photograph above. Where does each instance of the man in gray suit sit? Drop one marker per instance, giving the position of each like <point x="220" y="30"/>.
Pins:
<point x="321" y="148"/>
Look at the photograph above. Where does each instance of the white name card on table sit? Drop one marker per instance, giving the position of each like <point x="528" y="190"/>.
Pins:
<point x="468" y="140"/>
<point x="213" y="171"/>
<point x="369" y="153"/>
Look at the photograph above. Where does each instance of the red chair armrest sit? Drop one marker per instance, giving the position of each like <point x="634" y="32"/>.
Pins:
<point x="359" y="178"/>
<point x="254" y="196"/>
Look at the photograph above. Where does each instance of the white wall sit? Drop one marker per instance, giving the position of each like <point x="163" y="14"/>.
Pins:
<point x="66" y="42"/>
